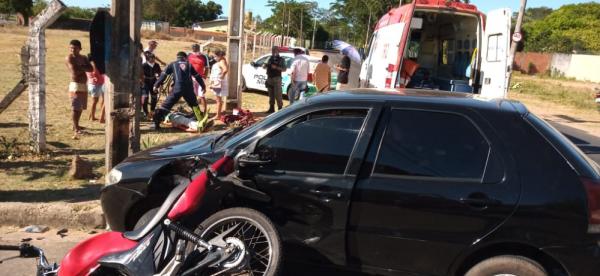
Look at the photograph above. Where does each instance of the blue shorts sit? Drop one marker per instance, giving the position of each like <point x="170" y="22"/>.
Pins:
<point x="95" y="90"/>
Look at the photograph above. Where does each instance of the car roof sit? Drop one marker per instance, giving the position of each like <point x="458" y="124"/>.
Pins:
<point x="420" y="96"/>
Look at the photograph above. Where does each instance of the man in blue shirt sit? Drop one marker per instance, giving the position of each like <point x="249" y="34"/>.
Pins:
<point x="183" y="86"/>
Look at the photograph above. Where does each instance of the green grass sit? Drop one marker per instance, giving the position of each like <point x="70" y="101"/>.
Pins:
<point x="574" y="94"/>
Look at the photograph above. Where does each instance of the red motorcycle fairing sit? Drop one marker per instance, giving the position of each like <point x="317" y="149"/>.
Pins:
<point x="84" y="256"/>
<point x="194" y="193"/>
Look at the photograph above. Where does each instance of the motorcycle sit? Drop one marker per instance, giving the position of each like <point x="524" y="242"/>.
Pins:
<point x="234" y="241"/>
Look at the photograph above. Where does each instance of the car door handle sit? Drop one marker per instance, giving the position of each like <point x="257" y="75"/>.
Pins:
<point x="326" y="192"/>
<point x="480" y="202"/>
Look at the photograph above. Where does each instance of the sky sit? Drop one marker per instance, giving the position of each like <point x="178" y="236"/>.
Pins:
<point x="258" y="7"/>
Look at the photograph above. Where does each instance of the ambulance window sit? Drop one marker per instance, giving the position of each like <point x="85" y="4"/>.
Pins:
<point x="495" y="49"/>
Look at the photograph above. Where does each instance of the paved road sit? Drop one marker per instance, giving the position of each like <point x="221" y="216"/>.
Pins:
<point x="589" y="144"/>
<point x="54" y="246"/>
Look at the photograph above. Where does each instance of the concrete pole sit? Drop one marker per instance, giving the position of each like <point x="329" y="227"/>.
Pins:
<point x="514" y="44"/>
<point x="235" y="52"/>
<point x="36" y="76"/>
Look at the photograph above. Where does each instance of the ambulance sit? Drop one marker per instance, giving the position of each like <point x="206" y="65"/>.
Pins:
<point x="440" y="45"/>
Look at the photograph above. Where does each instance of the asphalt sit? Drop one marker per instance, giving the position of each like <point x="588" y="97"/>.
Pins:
<point x="589" y="144"/>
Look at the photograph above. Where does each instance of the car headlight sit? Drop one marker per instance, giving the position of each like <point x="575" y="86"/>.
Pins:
<point x="113" y="177"/>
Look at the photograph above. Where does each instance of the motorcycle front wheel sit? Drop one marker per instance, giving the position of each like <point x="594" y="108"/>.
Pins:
<point x="258" y="234"/>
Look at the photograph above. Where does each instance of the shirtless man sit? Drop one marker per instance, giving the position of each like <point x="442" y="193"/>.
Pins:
<point x="78" y="66"/>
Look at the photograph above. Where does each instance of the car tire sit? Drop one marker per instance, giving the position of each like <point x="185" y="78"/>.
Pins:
<point x="145" y="218"/>
<point x="507" y="265"/>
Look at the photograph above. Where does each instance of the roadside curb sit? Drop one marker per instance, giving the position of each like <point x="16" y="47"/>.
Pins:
<point x="81" y="215"/>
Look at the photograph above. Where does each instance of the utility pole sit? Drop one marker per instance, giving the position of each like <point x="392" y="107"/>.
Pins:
<point x="517" y="36"/>
<point x="235" y="52"/>
<point x="283" y="22"/>
<point x="301" y="25"/>
<point x="288" y="22"/>
<point x="312" y="44"/>
<point x="368" y="25"/>
<point x="122" y="79"/>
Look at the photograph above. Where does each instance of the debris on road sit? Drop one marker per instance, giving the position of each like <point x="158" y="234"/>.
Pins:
<point x="36" y="229"/>
<point x="62" y="232"/>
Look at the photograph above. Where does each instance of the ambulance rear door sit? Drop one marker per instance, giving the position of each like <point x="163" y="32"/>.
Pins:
<point x="387" y="47"/>
<point x="495" y="67"/>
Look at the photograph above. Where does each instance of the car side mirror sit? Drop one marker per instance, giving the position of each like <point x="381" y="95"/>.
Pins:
<point x="247" y="161"/>
<point x="253" y="64"/>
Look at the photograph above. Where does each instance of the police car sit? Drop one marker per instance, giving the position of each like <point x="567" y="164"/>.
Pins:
<point x="254" y="75"/>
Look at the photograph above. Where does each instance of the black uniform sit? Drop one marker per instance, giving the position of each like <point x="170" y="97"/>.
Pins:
<point x="150" y="73"/>
<point x="183" y="86"/>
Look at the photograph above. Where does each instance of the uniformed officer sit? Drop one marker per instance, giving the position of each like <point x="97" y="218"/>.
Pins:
<point x="183" y="86"/>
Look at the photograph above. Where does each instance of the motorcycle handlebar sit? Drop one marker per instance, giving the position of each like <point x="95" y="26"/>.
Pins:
<point x="10" y="247"/>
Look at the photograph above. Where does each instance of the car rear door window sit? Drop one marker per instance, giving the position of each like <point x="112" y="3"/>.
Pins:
<point x="432" y="144"/>
<point x="320" y="142"/>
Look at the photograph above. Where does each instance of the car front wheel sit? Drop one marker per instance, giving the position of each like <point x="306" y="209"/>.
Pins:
<point x="507" y="265"/>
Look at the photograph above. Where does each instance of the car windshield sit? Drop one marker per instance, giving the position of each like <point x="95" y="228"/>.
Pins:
<point x="237" y="137"/>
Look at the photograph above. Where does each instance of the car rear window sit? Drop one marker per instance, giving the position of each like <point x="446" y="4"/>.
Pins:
<point x="579" y="161"/>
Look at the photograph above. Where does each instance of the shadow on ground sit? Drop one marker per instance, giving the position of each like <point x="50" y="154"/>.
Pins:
<point x="83" y="193"/>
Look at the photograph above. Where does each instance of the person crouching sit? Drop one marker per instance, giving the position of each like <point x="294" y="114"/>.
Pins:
<point x="183" y="86"/>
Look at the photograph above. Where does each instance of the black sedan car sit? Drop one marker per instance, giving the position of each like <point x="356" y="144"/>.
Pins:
<point x="402" y="183"/>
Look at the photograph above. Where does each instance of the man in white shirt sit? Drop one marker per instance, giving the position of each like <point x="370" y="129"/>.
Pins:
<point x="152" y="45"/>
<point x="300" y="71"/>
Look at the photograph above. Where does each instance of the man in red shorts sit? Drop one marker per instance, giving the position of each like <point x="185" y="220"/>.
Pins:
<point x="78" y="66"/>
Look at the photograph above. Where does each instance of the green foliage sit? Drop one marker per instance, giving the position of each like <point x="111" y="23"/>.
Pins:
<point x="353" y="16"/>
<point x="9" y="147"/>
<point x="289" y="17"/>
<point x="77" y="12"/>
<point x="71" y="12"/>
<point x="182" y="13"/>
<point x="17" y="6"/>
<point x="38" y="6"/>
<point x="571" y="28"/>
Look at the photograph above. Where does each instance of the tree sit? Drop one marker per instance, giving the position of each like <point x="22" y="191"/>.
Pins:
<point x="571" y="28"/>
<point x="38" y="6"/>
<point x="17" y="6"/>
<point x="289" y="17"/>
<point x="182" y="13"/>
<point x="355" y="15"/>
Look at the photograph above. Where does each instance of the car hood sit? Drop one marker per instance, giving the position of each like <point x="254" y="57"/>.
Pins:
<point x="190" y="146"/>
